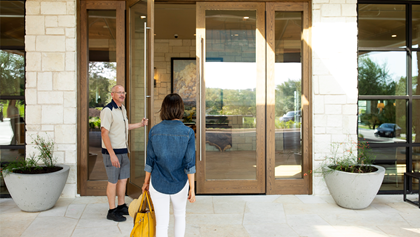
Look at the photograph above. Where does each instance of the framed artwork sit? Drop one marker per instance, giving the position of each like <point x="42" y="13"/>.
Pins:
<point x="183" y="79"/>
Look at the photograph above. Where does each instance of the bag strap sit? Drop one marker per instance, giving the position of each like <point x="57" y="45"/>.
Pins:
<point x="149" y="202"/>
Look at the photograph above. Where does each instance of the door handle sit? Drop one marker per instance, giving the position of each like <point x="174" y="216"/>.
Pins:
<point x="201" y="97"/>
<point x="145" y="87"/>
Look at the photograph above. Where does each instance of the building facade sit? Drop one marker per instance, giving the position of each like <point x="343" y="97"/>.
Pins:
<point x="268" y="86"/>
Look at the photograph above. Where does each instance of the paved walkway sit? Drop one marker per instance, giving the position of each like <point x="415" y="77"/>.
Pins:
<point x="265" y="216"/>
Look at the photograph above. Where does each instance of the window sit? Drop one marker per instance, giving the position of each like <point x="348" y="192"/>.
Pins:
<point x="389" y="96"/>
<point x="12" y="83"/>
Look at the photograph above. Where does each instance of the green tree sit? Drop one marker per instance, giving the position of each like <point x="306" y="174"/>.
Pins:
<point x="374" y="79"/>
<point x="12" y="70"/>
<point x="99" y="85"/>
<point x="285" y="96"/>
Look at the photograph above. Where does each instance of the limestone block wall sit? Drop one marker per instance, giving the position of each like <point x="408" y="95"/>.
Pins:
<point x="165" y="49"/>
<point x="50" y="45"/>
<point x="334" y="78"/>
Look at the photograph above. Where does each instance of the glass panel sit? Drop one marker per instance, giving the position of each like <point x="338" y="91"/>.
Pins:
<point x="382" y="73"/>
<point x="416" y="121"/>
<point x="288" y="90"/>
<point x="138" y="15"/>
<point x="416" y="26"/>
<point x="12" y="25"/>
<point x="12" y="124"/>
<point x="415" y="72"/>
<point x="393" y="159"/>
<point x="230" y="76"/>
<point x="102" y="77"/>
<point x="8" y="155"/>
<point x="12" y="66"/>
<point x="382" y="121"/>
<point x="416" y="159"/>
<point x="381" y="25"/>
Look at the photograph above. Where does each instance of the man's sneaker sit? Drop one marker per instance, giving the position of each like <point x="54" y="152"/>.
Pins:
<point x="115" y="215"/>
<point x="123" y="209"/>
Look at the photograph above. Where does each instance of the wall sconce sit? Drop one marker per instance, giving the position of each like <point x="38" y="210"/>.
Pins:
<point x="155" y="76"/>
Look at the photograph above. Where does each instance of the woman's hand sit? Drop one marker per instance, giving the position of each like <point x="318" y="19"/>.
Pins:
<point x="145" y="187"/>
<point x="191" y="196"/>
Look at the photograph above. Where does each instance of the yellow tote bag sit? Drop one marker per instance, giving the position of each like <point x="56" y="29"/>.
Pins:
<point x="144" y="220"/>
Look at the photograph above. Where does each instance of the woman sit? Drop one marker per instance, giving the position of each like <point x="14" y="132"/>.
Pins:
<point x="170" y="166"/>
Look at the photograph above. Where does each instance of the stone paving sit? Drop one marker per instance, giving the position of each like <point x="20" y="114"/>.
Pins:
<point x="245" y="215"/>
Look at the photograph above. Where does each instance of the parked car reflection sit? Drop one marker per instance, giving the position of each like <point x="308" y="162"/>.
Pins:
<point x="291" y="115"/>
<point x="388" y="130"/>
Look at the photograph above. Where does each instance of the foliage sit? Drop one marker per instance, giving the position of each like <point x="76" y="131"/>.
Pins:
<point x="12" y="70"/>
<point x="289" y="124"/>
<point x="374" y="79"/>
<point x="350" y="156"/>
<point x="94" y="122"/>
<point x="285" y="96"/>
<point x="46" y="156"/>
<point x="100" y="85"/>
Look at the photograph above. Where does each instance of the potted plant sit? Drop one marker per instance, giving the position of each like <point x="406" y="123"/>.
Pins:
<point x="36" y="182"/>
<point x="351" y="178"/>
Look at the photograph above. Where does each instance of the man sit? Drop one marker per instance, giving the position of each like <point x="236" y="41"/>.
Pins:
<point x="114" y="131"/>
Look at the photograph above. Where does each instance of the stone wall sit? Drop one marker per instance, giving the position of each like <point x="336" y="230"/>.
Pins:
<point x="334" y="77"/>
<point x="165" y="49"/>
<point x="51" y="80"/>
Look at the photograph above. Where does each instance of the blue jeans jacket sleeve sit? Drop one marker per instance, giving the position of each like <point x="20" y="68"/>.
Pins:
<point x="189" y="159"/>
<point x="151" y="157"/>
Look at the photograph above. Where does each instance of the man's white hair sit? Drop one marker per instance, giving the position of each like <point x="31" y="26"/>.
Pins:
<point x="113" y="88"/>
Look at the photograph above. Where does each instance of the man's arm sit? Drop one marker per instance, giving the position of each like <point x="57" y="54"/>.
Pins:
<point x="143" y="123"/>
<point x="107" y="142"/>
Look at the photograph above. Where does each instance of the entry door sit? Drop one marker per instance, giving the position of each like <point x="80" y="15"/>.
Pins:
<point x="230" y="49"/>
<point x="116" y="45"/>
<point x="140" y="38"/>
<point x="288" y="99"/>
<point x="102" y="65"/>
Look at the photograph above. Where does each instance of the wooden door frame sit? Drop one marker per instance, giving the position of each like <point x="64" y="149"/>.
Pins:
<point x="85" y="186"/>
<point x="230" y="186"/>
<point x="289" y="186"/>
<point x="133" y="190"/>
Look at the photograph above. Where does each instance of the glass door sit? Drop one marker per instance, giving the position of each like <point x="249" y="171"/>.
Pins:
<point x="230" y="53"/>
<point x="140" y="83"/>
<point x="288" y="99"/>
<point x="102" y="66"/>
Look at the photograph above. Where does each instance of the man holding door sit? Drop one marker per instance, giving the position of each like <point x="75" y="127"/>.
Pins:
<point x="114" y="131"/>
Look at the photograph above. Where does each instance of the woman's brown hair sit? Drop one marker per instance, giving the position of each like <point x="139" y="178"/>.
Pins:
<point x="172" y="107"/>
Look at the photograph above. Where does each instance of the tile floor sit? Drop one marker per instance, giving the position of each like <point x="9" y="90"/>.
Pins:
<point x="265" y="216"/>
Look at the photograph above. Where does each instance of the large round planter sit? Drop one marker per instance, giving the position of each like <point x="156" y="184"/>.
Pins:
<point x="353" y="190"/>
<point x="36" y="192"/>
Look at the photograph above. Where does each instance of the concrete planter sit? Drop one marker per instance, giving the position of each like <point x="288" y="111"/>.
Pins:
<point x="353" y="190"/>
<point x="36" y="192"/>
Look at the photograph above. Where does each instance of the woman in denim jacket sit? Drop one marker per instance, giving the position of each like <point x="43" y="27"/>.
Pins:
<point x="170" y="166"/>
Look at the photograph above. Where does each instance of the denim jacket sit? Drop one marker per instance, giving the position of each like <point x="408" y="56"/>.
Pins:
<point x="170" y="156"/>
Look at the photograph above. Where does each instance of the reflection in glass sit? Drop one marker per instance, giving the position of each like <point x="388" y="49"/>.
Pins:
<point x="230" y="77"/>
<point x="288" y="91"/>
<point x="12" y="124"/>
<point x="416" y="122"/>
<point x="382" y="73"/>
<point x="416" y="26"/>
<point x="382" y="121"/>
<point x="8" y="155"/>
<point x="102" y="77"/>
<point x="393" y="159"/>
<point x="381" y="25"/>
<point x="138" y="16"/>
<point x="12" y="66"/>
<point x="415" y="72"/>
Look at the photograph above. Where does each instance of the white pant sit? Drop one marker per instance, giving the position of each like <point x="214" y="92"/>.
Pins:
<point x="161" y="204"/>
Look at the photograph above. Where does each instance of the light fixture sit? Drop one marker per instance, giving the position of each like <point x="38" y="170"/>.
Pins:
<point x="236" y="35"/>
<point x="394" y="36"/>
<point x="143" y="17"/>
<point x="155" y="76"/>
<point x="194" y="34"/>
<point x="246" y="17"/>
<point x="380" y="106"/>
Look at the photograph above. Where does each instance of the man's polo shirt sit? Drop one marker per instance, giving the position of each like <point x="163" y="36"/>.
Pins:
<point x="114" y="119"/>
